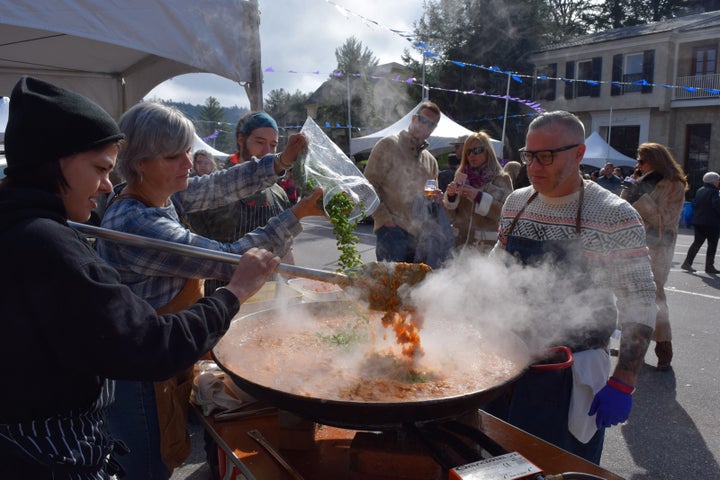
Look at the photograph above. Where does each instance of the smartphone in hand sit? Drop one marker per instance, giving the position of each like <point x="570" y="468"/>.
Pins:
<point x="460" y="179"/>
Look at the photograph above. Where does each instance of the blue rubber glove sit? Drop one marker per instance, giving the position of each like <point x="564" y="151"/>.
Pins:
<point x="611" y="406"/>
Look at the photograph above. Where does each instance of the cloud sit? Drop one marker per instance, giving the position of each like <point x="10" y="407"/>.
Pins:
<point x="301" y="36"/>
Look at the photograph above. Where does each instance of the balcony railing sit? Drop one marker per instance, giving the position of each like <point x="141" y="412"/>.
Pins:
<point x="703" y="83"/>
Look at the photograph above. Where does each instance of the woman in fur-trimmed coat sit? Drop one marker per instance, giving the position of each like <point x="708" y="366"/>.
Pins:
<point x="659" y="195"/>
<point x="475" y="197"/>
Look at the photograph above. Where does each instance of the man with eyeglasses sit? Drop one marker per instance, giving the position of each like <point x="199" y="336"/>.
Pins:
<point x="587" y="245"/>
<point x="398" y="167"/>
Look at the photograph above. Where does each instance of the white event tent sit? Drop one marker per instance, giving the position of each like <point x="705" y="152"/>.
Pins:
<point x="440" y="141"/>
<point x="201" y="145"/>
<point x="116" y="51"/>
<point x="598" y="153"/>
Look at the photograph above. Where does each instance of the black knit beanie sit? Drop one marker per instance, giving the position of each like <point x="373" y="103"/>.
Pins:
<point x="46" y="123"/>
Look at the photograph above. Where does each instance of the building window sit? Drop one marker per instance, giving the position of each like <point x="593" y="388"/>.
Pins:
<point x="704" y="60"/>
<point x="545" y="84"/>
<point x="632" y="72"/>
<point x="697" y="154"/>
<point x="584" y="72"/>
<point x="588" y="70"/>
<point x="634" y="67"/>
<point x="623" y="138"/>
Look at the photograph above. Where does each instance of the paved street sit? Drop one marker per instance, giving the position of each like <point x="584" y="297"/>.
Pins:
<point x="674" y="429"/>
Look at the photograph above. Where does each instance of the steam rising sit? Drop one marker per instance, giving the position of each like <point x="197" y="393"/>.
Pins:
<point x="340" y="351"/>
<point x="543" y="303"/>
<point x="485" y="320"/>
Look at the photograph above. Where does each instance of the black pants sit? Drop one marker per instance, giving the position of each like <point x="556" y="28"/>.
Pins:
<point x="710" y="233"/>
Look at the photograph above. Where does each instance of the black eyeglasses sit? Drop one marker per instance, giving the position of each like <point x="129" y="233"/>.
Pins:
<point x="425" y="121"/>
<point x="476" y="150"/>
<point x="545" y="157"/>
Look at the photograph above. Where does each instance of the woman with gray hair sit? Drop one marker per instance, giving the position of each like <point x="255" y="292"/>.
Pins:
<point x="156" y="162"/>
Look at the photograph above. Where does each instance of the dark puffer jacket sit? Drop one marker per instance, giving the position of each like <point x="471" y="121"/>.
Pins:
<point x="706" y="211"/>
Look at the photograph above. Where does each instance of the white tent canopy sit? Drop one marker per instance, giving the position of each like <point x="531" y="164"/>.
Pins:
<point x="444" y="134"/>
<point x="201" y="145"/>
<point x="116" y="51"/>
<point x="598" y="153"/>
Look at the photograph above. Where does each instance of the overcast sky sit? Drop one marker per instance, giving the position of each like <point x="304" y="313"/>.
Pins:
<point x="301" y="36"/>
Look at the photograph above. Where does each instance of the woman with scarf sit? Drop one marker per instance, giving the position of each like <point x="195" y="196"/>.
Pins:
<point x="476" y="196"/>
<point x="659" y="195"/>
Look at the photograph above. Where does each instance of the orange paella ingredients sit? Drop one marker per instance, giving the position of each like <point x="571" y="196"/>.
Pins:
<point x="387" y="280"/>
<point x="383" y="284"/>
<point x="406" y="331"/>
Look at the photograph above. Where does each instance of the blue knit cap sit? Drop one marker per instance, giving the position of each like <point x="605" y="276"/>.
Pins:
<point x="253" y="121"/>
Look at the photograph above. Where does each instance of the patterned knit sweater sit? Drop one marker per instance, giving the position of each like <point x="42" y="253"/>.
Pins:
<point x="612" y="243"/>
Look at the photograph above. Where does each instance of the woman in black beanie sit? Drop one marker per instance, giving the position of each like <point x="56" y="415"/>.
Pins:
<point x="69" y="325"/>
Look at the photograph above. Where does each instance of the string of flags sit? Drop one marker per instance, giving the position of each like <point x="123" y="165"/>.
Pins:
<point x="413" y="81"/>
<point x="337" y="125"/>
<point x="427" y="51"/>
<point x="211" y="136"/>
<point x="485" y="118"/>
<point x="643" y="83"/>
<point x="370" y="22"/>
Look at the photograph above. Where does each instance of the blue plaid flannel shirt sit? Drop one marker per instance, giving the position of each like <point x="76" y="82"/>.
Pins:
<point x="158" y="276"/>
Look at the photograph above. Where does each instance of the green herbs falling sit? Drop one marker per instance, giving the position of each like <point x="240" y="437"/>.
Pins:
<point x="338" y="209"/>
<point x="346" y="338"/>
<point x="354" y="334"/>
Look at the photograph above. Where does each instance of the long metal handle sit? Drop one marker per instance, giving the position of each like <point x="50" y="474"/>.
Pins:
<point x="203" y="253"/>
<point x="258" y="437"/>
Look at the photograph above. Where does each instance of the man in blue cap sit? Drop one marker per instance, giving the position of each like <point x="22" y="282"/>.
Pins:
<point x="257" y="135"/>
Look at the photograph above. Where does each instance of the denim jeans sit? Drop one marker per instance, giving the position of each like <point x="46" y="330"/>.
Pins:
<point x="133" y="419"/>
<point x="393" y="244"/>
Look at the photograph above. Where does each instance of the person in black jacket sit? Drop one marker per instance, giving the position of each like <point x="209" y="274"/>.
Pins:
<point x="706" y="223"/>
<point x="69" y="325"/>
<point x="447" y="174"/>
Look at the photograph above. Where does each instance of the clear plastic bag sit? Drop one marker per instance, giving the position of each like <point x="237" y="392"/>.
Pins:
<point x="324" y="164"/>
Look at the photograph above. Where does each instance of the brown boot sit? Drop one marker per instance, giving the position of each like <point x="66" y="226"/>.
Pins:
<point x="664" y="352"/>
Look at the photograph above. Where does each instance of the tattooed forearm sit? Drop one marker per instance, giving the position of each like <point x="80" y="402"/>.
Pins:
<point x="633" y="345"/>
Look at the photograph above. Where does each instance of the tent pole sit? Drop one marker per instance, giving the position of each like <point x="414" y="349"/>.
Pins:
<point x="609" y="135"/>
<point x="349" y="124"/>
<point x="425" y="95"/>
<point x="507" y="100"/>
<point x="253" y="88"/>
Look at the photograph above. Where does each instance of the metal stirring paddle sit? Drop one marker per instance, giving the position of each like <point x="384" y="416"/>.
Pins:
<point x="378" y="282"/>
